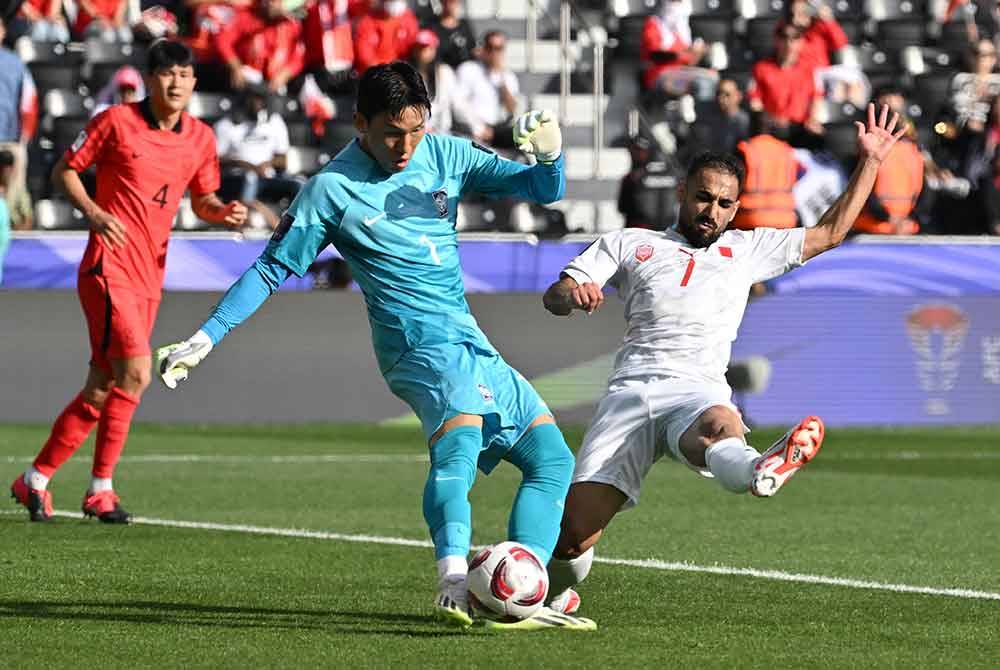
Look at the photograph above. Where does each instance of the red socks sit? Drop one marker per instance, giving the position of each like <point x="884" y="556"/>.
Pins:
<point x="113" y="431"/>
<point x="68" y="432"/>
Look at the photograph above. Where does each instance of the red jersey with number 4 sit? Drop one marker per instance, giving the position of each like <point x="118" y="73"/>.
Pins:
<point x="142" y="172"/>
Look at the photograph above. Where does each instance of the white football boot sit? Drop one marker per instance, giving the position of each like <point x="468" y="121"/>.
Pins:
<point x="567" y="602"/>
<point x="786" y="456"/>
<point x="452" y="603"/>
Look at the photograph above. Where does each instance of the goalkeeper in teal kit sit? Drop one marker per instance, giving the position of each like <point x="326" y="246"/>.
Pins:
<point x="388" y="203"/>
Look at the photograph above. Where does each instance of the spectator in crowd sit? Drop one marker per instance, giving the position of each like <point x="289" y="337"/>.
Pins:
<point x="668" y="55"/>
<point x="722" y="126"/>
<point x="103" y="19"/>
<point x="252" y="145"/>
<point x="441" y="82"/>
<point x="125" y="86"/>
<point x="972" y="91"/>
<point x="42" y="21"/>
<point x="488" y="89"/>
<point x="19" y="208"/>
<point x="384" y="35"/>
<point x="767" y="200"/>
<point x="6" y="160"/>
<point x="647" y="194"/>
<point x="822" y="37"/>
<point x="890" y="208"/>
<point x="208" y="18"/>
<point x="18" y="119"/>
<point x="784" y="87"/>
<point x="329" y="44"/>
<point x="456" y="33"/>
<point x="263" y="44"/>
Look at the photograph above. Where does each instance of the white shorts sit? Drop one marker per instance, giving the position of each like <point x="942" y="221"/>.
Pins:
<point x="636" y="423"/>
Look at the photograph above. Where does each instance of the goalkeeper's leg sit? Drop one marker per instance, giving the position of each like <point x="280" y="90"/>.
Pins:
<point x="448" y="514"/>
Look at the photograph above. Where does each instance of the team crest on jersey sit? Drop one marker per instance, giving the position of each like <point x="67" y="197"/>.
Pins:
<point x="80" y="139"/>
<point x="486" y="393"/>
<point x="441" y="202"/>
<point x="643" y="252"/>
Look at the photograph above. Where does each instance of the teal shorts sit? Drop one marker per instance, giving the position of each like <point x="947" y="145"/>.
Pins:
<point x="441" y="381"/>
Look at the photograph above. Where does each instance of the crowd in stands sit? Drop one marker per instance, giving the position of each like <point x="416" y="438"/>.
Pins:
<point x="276" y="76"/>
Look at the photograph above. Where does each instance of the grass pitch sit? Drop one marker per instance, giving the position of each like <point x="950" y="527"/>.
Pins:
<point x="881" y="511"/>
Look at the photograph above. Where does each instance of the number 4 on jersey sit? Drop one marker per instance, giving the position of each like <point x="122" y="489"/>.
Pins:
<point x="161" y="196"/>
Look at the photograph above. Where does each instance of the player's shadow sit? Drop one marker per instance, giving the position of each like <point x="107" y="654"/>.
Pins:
<point x="409" y="202"/>
<point x="220" y="616"/>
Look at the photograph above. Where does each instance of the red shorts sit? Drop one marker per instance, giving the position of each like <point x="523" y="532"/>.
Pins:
<point x="120" y="322"/>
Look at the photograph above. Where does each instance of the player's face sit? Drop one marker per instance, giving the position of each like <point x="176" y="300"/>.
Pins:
<point x="392" y="141"/>
<point x="171" y="87"/>
<point x="709" y="200"/>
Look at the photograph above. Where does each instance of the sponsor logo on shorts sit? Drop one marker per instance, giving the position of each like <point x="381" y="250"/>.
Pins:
<point x="643" y="252"/>
<point x="486" y="393"/>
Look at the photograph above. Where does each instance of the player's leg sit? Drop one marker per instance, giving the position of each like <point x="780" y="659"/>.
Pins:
<point x="454" y="451"/>
<point x="71" y="428"/>
<point x="128" y="350"/>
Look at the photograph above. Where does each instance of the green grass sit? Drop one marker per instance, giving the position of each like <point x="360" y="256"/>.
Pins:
<point x="915" y="507"/>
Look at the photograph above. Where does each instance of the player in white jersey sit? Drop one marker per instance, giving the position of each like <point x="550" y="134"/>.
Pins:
<point x="685" y="291"/>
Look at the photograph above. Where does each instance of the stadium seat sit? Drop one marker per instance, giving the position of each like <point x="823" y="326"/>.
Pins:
<point x="545" y="55"/>
<point x="49" y="75"/>
<point x="896" y="34"/>
<point x="579" y="108"/>
<point x="841" y="140"/>
<point x="854" y="29"/>
<point x="760" y="36"/>
<point x="104" y="58"/>
<point x="57" y="214"/>
<point x="634" y="7"/>
<point x="64" y="132"/>
<point x="881" y="10"/>
<point x="847" y="9"/>
<point x="837" y="112"/>
<point x="49" y="52"/>
<point x="712" y="28"/>
<point x="918" y="60"/>
<point x="299" y="132"/>
<point x="59" y="103"/>
<point x="336" y="136"/>
<point x="209" y="107"/>
<point x="714" y="7"/>
<point x="930" y="91"/>
<point x="305" y="161"/>
<point x="752" y="9"/>
<point x="954" y="37"/>
<point x="629" y="37"/>
<point x="869" y="59"/>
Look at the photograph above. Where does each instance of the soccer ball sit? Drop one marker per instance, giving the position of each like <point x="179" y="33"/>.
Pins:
<point x="507" y="582"/>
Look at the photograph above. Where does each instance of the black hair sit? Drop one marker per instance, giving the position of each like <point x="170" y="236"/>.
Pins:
<point x="490" y="34"/>
<point x="6" y="158"/>
<point x="714" y="160"/>
<point x="166" y="54"/>
<point x="391" y="88"/>
<point x="889" y="88"/>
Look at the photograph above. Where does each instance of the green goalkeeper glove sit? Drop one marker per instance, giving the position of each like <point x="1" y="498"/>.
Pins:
<point x="537" y="133"/>
<point x="173" y="361"/>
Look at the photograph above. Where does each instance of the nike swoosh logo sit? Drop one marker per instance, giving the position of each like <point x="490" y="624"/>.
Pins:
<point x="373" y="220"/>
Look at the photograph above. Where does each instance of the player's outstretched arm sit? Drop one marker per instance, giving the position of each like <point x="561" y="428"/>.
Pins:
<point x="567" y="294"/>
<point x="875" y="141"/>
<point x="174" y="361"/>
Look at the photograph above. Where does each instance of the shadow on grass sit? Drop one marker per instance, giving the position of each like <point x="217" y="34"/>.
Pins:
<point x="219" y="616"/>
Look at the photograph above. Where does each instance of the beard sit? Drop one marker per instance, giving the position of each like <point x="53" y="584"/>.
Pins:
<point x="696" y="235"/>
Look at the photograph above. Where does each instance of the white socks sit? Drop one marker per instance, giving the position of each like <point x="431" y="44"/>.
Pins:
<point x="564" y="574"/>
<point x="97" y="485"/>
<point x="731" y="462"/>
<point x="452" y="568"/>
<point x="35" y="479"/>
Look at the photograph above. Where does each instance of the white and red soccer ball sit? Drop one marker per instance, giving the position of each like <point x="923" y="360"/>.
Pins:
<point x="507" y="582"/>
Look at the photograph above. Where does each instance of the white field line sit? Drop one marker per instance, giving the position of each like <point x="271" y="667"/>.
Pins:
<point x="292" y="459"/>
<point x="652" y="564"/>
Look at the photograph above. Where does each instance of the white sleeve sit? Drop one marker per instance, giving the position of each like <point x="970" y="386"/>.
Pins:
<point x="775" y="251"/>
<point x="281" y="142"/>
<point x="599" y="262"/>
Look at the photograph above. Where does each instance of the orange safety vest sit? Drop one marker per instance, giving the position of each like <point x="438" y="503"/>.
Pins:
<point x="767" y="200"/>
<point x="898" y="185"/>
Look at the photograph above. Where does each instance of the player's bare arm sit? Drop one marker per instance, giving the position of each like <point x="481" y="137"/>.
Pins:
<point x="567" y="294"/>
<point x="208" y="207"/>
<point x="109" y="229"/>
<point x="875" y="141"/>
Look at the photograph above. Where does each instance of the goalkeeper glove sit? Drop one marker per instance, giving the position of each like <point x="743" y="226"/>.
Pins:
<point x="174" y="360"/>
<point x="537" y="133"/>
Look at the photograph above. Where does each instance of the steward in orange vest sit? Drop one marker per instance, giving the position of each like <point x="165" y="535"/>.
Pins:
<point x="767" y="200"/>
<point x="897" y="187"/>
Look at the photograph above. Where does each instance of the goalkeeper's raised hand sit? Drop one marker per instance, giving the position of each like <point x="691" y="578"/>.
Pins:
<point x="173" y="361"/>
<point x="537" y="133"/>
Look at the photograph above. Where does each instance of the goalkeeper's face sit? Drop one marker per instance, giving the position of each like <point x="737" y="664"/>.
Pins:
<point x="392" y="141"/>
<point x="709" y="200"/>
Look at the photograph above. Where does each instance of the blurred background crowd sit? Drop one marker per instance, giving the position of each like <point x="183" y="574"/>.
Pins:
<point x="640" y="86"/>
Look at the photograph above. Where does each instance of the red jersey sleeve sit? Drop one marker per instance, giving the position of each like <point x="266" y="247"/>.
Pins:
<point x="206" y="179"/>
<point x="89" y="145"/>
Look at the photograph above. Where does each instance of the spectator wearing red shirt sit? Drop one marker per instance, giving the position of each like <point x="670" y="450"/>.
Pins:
<point x="147" y="155"/>
<point x="785" y="87"/>
<point x="384" y="35"/>
<point x="103" y="19"/>
<point x="264" y="43"/>
<point x="667" y="52"/>
<point x="822" y="36"/>
<point x="329" y="44"/>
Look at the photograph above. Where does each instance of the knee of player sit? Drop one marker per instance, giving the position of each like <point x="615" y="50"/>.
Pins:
<point x="719" y="423"/>
<point x="134" y="379"/>
<point x="96" y="397"/>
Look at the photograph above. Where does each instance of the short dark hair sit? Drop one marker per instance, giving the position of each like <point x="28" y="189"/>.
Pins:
<point x="888" y="89"/>
<point x="6" y="158"/>
<point x="166" y="54"/>
<point x="391" y="88"/>
<point x="490" y="34"/>
<point x="714" y="160"/>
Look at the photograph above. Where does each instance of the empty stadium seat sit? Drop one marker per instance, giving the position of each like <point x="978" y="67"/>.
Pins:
<point x="712" y="28"/>
<point x="847" y="9"/>
<point x="634" y="7"/>
<point x="954" y="37"/>
<point x="898" y="33"/>
<point x="760" y="36"/>
<point x="336" y="136"/>
<point x="880" y="10"/>
<point x="31" y="52"/>
<point x="299" y="132"/>
<point x="918" y="60"/>
<point x="752" y="9"/>
<point x="304" y="161"/>
<point x="63" y="103"/>
<point x="49" y="75"/>
<point x="57" y="214"/>
<point x="930" y="91"/>
<point x="716" y="7"/>
<point x="841" y="139"/>
<point x="209" y="107"/>
<point x="837" y="112"/>
<point x="64" y="132"/>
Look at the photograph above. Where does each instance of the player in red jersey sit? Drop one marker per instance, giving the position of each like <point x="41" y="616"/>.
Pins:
<point x="147" y="155"/>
